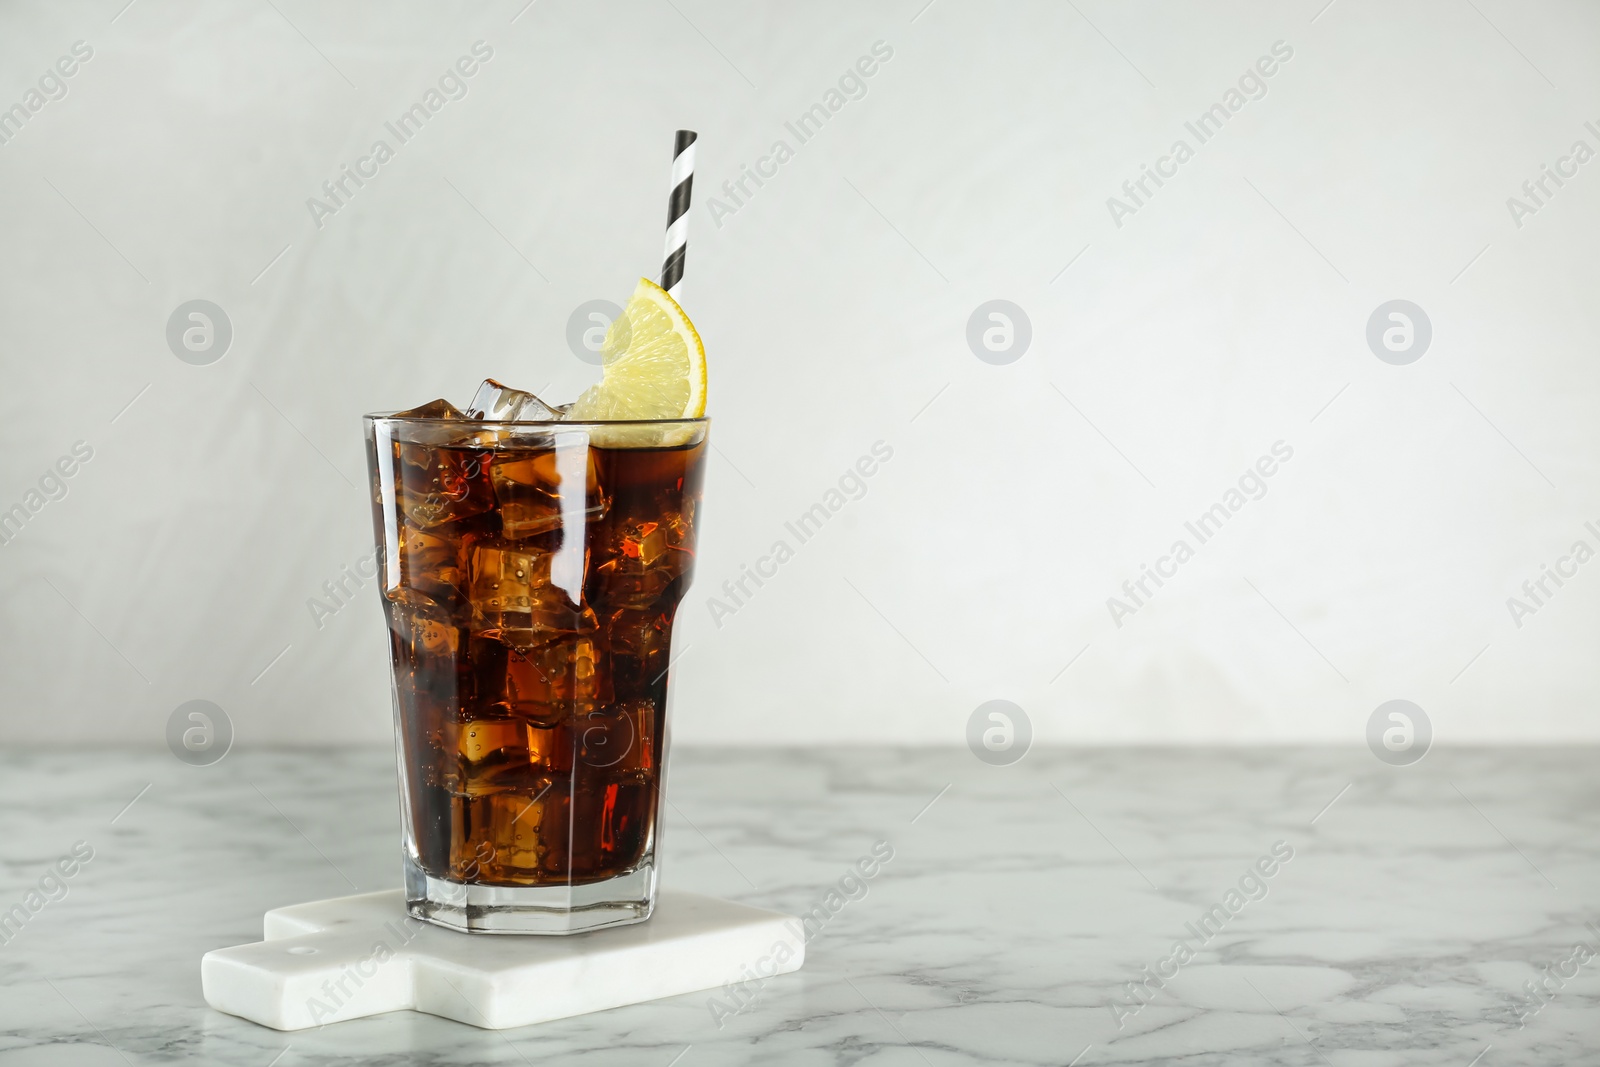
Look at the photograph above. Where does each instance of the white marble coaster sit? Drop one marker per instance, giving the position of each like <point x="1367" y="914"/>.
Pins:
<point x="345" y="958"/>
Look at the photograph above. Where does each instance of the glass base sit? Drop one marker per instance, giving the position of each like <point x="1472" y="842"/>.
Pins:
<point x="559" y="909"/>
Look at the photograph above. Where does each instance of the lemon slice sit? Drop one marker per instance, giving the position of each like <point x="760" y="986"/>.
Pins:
<point x="654" y="364"/>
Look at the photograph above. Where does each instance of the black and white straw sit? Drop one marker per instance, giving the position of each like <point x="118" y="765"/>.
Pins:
<point x="678" y="212"/>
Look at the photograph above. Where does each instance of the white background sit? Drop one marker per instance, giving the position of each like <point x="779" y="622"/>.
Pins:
<point x="1227" y="314"/>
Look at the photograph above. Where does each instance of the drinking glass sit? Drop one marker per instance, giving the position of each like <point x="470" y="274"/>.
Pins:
<point x="530" y="574"/>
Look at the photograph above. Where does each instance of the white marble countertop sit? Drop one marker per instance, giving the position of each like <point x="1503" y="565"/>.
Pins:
<point x="1015" y="909"/>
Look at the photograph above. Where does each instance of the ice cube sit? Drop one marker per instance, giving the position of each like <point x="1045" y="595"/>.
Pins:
<point x="429" y="570"/>
<point x="428" y="648"/>
<point x="512" y="598"/>
<point x="501" y="835"/>
<point x="619" y="739"/>
<point x="638" y="642"/>
<point x="503" y="579"/>
<point x="499" y="755"/>
<point x="430" y="772"/>
<point x="434" y="466"/>
<point x="551" y="748"/>
<point x="529" y="489"/>
<point x="645" y="558"/>
<point x="544" y="684"/>
<point x="494" y="402"/>
<point x="610" y="823"/>
<point x="425" y="634"/>
<point x="481" y="740"/>
<point x="442" y="482"/>
<point x="434" y="637"/>
<point x="562" y="673"/>
<point x="433" y="409"/>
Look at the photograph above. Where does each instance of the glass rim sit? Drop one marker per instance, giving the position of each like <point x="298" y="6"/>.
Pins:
<point x="554" y="424"/>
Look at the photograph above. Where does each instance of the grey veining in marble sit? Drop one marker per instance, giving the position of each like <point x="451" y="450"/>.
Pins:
<point x="1016" y="907"/>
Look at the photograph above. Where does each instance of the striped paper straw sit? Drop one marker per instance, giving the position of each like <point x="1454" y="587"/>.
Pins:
<point x="678" y="212"/>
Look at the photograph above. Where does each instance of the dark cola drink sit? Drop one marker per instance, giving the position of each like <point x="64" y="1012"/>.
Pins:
<point x="531" y="573"/>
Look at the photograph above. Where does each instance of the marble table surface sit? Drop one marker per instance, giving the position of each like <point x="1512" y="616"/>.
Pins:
<point x="1359" y="914"/>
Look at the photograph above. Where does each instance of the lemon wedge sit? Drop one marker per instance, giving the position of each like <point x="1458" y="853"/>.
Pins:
<point x="654" y="364"/>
